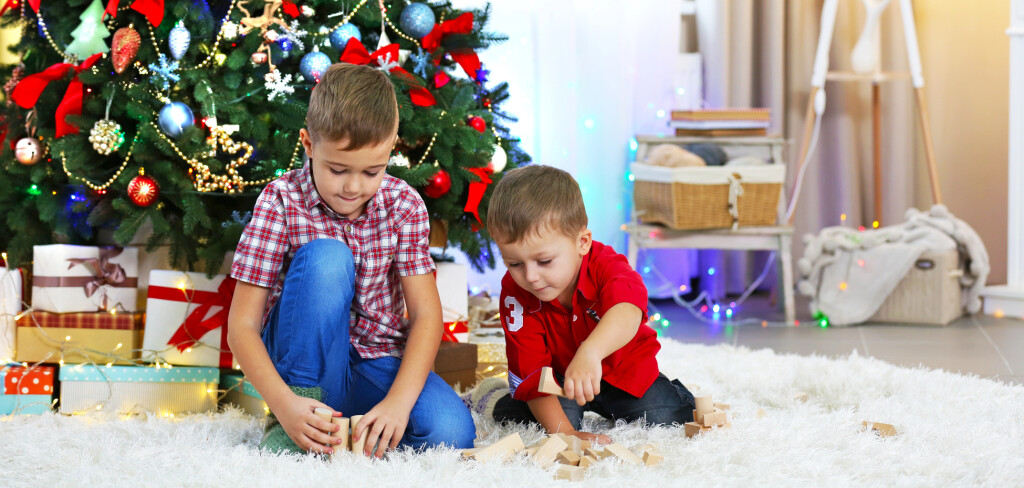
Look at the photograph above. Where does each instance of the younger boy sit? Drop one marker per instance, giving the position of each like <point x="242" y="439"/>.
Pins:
<point x="575" y="305"/>
<point x="322" y="268"/>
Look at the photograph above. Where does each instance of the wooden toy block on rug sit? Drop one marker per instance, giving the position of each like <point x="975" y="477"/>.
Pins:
<point x="883" y="430"/>
<point x="548" y="384"/>
<point x="572" y="465"/>
<point x="707" y="415"/>
<point x="506" y="447"/>
<point x="549" y="450"/>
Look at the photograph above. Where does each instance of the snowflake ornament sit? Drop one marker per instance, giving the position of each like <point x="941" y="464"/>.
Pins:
<point x="420" y="60"/>
<point x="293" y="34"/>
<point x="278" y="85"/>
<point x="386" y="63"/>
<point x="164" y="72"/>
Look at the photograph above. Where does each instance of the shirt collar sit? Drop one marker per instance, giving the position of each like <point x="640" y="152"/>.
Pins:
<point x="584" y="283"/>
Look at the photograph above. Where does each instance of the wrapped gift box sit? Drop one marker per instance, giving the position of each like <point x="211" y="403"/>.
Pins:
<point x="84" y="279"/>
<point x="453" y="286"/>
<point x="490" y="344"/>
<point x="26" y="390"/>
<point x="10" y="305"/>
<point x="97" y="337"/>
<point x="456" y="364"/>
<point x="187" y="317"/>
<point x="242" y="394"/>
<point x="137" y="389"/>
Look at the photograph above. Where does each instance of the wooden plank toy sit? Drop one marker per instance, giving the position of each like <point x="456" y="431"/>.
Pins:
<point x="717" y="417"/>
<point x="506" y="447"/>
<point x="704" y="404"/>
<point x="570" y="473"/>
<point x="549" y="450"/>
<point x="568" y="457"/>
<point x="652" y="458"/>
<point x="722" y="406"/>
<point x="883" y="430"/>
<point x="548" y="384"/>
<point x="620" y="451"/>
<point x="587" y="461"/>
<point x="693" y="428"/>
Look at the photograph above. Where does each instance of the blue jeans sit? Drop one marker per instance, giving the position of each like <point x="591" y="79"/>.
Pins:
<point x="665" y="402"/>
<point x="307" y="337"/>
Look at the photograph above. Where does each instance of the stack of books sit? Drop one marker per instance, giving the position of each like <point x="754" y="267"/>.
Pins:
<point x="721" y="122"/>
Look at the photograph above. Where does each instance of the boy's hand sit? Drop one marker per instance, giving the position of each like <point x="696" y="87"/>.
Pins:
<point x="309" y="432"/>
<point x="598" y="439"/>
<point x="583" y="376"/>
<point x="387" y="422"/>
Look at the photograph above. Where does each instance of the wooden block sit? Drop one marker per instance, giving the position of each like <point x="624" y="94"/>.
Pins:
<point x="323" y="413"/>
<point x="568" y="457"/>
<point x="342" y="433"/>
<point x="358" y="444"/>
<point x="704" y="404"/>
<point x="652" y="458"/>
<point x="570" y="473"/>
<point x="583" y="445"/>
<point x="549" y="450"/>
<point x="575" y="443"/>
<point x="507" y="446"/>
<point x="883" y="430"/>
<point x="714" y="418"/>
<point x="587" y="461"/>
<point x="469" y="453"/>
<point x="760" y="413"/>
<point x="531" y="450"/>
<point x="692" y="428"/>
<point x="722" y="406"/>
<point x="698" y="417"/>
<point x="620" y="451"/>
<point x="801" y="396"/>
<point x="594" y="453"/>
<point x="548" y="384"/>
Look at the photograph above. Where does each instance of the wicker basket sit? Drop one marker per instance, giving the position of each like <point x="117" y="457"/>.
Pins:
<point x="928" y="295"/>
<point x="699" y="197"/>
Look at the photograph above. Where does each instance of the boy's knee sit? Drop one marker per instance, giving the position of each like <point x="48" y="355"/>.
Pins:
<point x="456" y="429"/>
<point x="330" y="258"/>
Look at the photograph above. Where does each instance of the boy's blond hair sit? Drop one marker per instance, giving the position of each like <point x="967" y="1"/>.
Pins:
<point x="534" y="198"/>
<point x="353" y="103"/>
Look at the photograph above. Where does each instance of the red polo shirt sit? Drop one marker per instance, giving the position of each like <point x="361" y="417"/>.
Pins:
<point x="539" y="334"/>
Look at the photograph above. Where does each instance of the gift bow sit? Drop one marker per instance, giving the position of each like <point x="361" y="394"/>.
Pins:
<point x="152" y="9"/>
<point x="27" y="92"/>
<point x="476" y="191"/>
<point x="196" y="325"/>
<point x="462" y="24"/>
<point x="103" y="271"/>
<point x="387" y="57"/>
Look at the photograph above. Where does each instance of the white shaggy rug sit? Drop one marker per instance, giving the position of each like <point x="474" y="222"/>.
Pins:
<point x="954" y="430"/>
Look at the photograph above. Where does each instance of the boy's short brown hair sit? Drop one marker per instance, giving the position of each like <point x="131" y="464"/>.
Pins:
<point x="533" y="198"/>
<point x="354" y="103"/>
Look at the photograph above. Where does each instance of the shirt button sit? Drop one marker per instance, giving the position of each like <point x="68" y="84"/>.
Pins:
<point x="349" y="228"/>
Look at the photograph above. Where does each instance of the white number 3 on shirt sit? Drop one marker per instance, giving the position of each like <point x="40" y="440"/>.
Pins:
<point x="515" y="314"/>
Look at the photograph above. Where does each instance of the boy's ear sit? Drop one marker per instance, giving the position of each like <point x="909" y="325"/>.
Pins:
<point x="307" y="143"/>
<point x="585" y="239"/>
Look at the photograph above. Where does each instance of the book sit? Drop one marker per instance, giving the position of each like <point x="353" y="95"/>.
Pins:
<point x="721" y="132"/>
<point x="758" y="114"/>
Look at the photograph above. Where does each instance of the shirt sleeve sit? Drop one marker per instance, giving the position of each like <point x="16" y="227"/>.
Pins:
<point x="618" y="282"/>
<point x="525" y="347"/>
<point x="412" y="255"/>
<point x="264" y="244"/>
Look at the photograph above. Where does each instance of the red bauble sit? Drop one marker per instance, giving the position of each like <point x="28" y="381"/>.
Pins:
<point x="478" y="124"/>
<point x="438" y="185"/>
<point x="143" y="190"/>
<point x="124" y="47"/>
<point x="441" y="79"/>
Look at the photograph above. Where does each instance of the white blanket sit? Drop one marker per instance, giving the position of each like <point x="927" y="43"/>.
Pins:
<point x="848" y="274"/>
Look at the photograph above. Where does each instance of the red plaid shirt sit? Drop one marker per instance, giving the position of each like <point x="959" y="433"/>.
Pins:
<point x="390" y="239"/>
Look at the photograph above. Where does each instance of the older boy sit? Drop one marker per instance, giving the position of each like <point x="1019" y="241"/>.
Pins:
<point x="575" y="305"/>
<point x="322" y="268"/>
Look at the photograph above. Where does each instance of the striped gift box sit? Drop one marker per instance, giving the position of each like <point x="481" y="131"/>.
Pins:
<point x="84" y="320"/>
<point x="97" y="337"/>
<point x="137" y="389"/>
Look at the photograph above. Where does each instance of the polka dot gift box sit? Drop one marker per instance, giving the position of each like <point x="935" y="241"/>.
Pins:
<point x="26" y="390"/>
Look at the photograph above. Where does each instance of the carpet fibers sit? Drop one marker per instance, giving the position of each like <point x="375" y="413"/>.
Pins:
<point x="953" y="430"/>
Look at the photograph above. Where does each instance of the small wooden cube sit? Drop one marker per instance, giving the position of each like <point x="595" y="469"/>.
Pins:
<point x="548" y="384"/>
<point x="883" y="430"/>
<point x="597" y="453"/>
<point x="570" y="473"/>
<point x="358" y="444"/>
<point x="549" y="449"/>
<point x="693" y="428"/>
<point x="620" y="451"/>
<point x="575" y="443"/>
<point x="801" y="396"/>
<point x="652" y="458"/>
<point x="715" y="418"/>
<point x="698" y="417"/>
<point x="587" y="461"/>
<point x="704" y="404"/>
<point x="506" y="447"/>
<point x="568" y="457"/>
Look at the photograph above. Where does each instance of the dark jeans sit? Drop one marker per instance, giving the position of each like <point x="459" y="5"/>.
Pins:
<point x="665" y="402"/>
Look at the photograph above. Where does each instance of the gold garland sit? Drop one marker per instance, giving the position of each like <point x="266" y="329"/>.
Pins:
<point x="90" y="184"/>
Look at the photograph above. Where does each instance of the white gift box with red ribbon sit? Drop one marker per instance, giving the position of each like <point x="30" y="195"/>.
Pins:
<point x="453" y="287"/>
<point x="10" y="306"/>
<point x="186" y="319"/>
<point x="68" y="278"/>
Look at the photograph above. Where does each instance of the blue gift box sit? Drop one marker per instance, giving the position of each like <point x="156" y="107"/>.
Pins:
<point x="240" y="392"/>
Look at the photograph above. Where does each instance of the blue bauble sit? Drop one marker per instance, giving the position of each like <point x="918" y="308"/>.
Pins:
<point x="174" y="118"/>
<point x="179" y="39"/>
<point x="341" y="35"/>
<point x="417" y="20"/>
<point x="314" y="65"/>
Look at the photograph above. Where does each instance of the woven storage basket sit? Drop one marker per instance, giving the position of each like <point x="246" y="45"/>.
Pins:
<point x="698" y="197"/>
<point x="928" y="295"/>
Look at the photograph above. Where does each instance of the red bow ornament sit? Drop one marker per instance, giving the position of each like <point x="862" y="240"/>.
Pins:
<point x="152" y="9"/>
<point x="462" y="24"/>
<point x="387" y="58"/>
<point x="26" y="94"/>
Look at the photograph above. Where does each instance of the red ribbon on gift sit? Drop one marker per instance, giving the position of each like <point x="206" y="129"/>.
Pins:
<point x="152" y="9"/>
<point x="476" y="191"/>
<point x="452" y="328"/>
<point x="462" y="24"/>
<point x="197" y="324"/>
<point x="27" y="92"/>
<point x="355" y="53"/>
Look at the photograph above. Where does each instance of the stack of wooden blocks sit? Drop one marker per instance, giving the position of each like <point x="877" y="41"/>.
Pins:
<point x="573" y="454"/>
<point x="348" y="426"/>
<point x="707" y="416"/>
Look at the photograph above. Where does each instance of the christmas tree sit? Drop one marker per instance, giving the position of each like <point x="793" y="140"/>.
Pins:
<point x="197" y="107"/>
